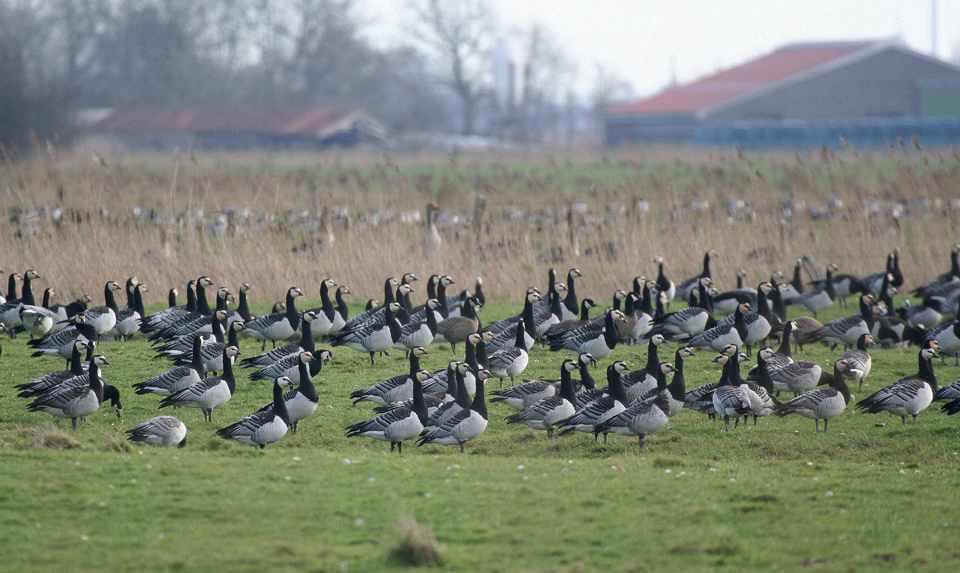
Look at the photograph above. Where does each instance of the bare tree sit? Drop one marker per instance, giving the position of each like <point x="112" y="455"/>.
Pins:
<point x="461" y="35"/>
<point x="609" y="88"/>
<point x="546" y="78"/>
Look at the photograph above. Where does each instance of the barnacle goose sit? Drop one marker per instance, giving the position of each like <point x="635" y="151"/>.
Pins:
<point x="760" y="323"/>
<point x="794" y="288"/>
<point x="159" y="431"/>
<point x="568" y="325"/>
<point x="178" y="377"/>
<point x="419" y="333"/>
<point x="512" y="361"/>
<point x="393" y="389"/>
<point x="103" y="318"/>
<point x="729" y="399"/>
<point x="455" y="398"/>
<point x="570" y="304"/>
<point x="948" y="393"/>
<point x="305" y="344"/>
<point x="372" y="337"/>
<point x="398" y="424"/>
<point x="263" y="426"/>
<point x="389" y="286"/>
<point x="818" y="299"/>
<point x="326" y="313"/>
<point x="10" y="310"/>
<point x="463" y="426"/>
<point x="641" y="381"/>
<point x="276" y="326"/>
<point x="944" y="283"/>
<point x="822" y="403"/>
<point x="547" y="412"/>
<point x="129" y="316"/>
<point x="603" y="407"/>
<point x="40" y="320"/>
<point x="61" y="343"/>
<point x="242" y="312"/>
<point x="197" y="322"/>
<point x="43" y="383"/>
<point x="721" y="335"/>
<point x="909" y="395"/>
<point x="456" y="329"/>
<point x="431" y="237"/>
<point x="75" y="401"/>
<point x="644" y="310"/>
<point x="700" y="399"/>
<point x="167" y="322"/>
<point x="781" y="357"/>
<point x="858" y="361"/>
<point x="797" y="377"/>
<point x="593" y="338"/>
<point x="664" y="284"/>
<point x="208" y="393"/>
<point x="686" y="322"/>
<point x="643" y="418"/>
<point x="341" y="311"/>
<point x="929" y="314"/>
<point x="677" y="386"/>
<point x="846" y="330"/>
<point x="303" y="400"/>
<point x="727" y="301"/>
<point x="508" y="325"/>
<point x="686" y="287"/>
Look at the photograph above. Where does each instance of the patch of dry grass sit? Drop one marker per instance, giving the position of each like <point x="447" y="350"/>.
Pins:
<point x="417" y="545"/>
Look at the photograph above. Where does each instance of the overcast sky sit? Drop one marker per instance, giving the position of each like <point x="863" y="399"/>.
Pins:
<point x="647" y="42"/>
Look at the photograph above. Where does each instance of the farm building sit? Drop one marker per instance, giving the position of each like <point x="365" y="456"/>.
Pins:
<point x="803" y="95"/>
<point x="236" y="129"/>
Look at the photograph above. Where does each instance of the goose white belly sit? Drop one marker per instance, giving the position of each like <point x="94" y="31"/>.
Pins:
<point x="421" y="337"/>
<point x="727" y="399"/>
<point x="279" y="330"/>
<point x="377" y="341"/>
<point x="914" y="404"/>
<point x="102" y="321"/>
<point x="214" y="397"/>
<point x="643" y="326"/>
<point x="79" y="407"/>
<point x="402" y="430"/>
<point x="798" y="377"/>
<point x="470" y="428"/>
<point x="757" y="330"/>
<point x="648" y="422"/>
<point x="300" y="407"/>
<point x="597" y="347"/>
<point x="267" y="433"/>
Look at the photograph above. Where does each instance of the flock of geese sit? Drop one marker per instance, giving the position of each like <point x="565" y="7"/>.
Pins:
<point x="449" y="406"/>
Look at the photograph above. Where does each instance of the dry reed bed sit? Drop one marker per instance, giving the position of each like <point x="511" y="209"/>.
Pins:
<point x="634" y="207"/>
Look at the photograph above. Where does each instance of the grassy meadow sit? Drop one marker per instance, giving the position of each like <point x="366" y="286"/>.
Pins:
<point x="870" y="494"/>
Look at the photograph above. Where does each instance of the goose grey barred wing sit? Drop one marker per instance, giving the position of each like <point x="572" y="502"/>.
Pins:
<point x="949" y="392"/>
<point x="159" y="431"/>
<point x="171" y="381"/>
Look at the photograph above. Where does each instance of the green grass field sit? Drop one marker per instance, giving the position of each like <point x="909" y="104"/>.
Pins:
<point x="775" y="496"/>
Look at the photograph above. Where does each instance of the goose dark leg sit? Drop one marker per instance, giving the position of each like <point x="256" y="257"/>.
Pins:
<point x="393" y="446"/>
<point x="549" y="433"/>
<point x="263" y="347"/>
<point x="726" y="420"/>
<point x="736" y="423"/>
<point x="74" y="420"/>
<point x="914" y="418"/>
<point x="817" y="420"/>
<point x="399" y="447"/>
<point x="825" y="422"/>
<point x="904" y="420"/>
<point x="461" y="447"/>
<point x="372" y="361"/>
<point x="605" y="434"/>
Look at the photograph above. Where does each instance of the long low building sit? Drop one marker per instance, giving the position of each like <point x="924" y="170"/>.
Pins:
<point x="801" y="95"/>
<point x="237" y="129"/>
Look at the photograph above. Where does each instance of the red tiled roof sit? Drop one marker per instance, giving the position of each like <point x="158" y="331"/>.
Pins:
<point x="743" y="79"/>
<point x="207" y="120"/>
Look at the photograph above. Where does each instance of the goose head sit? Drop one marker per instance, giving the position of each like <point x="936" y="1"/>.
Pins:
<point x="295" y="292"/>
<point x="533" y="297"/>
<point x="330" y="283"/>
<point x="618" y="316"/>
<point x="620" y="366"/>
<point x="487" y="336"/>
<point x="473" y="338"/>
<point x="408" y="278"/>
<point x="309" y="316"/>
<point x="394" y="307"/>
<point x="741" y="274"/>
<point x="423" y="376"/>
<point x="574" y="272"/>
<point x="729" y="349"/>
<point x="231" y="351"/>
<point x="306" y="357"/>
<point x="204" y="282"/>
<point x="483" y="374"/>
<point x="32" y="274"/>
<point x="560" y="287"/>
<point x="657" y="339"/>
<point x="237" y="326"/>
<point x="570" y="365"/>
<point x="721" y="358"/>
<point x="284" y="382"/>
<point x="766" y="353"/>
<point x="686" y="352"/>
<point x="667" y="368"/>
<point x="419" y="351"/>
<point x="405" y="289"/>
<point x="658" y="260"/>
<point x="101" y="360"/>
<point x="433" y="304"/>
<point x="245" y="287"/>
<point x="447" y="280"/>
<point x="325" y="356"/>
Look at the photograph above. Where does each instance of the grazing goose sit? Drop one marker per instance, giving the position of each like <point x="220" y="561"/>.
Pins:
<point x="276" y="326"/>
<point x="10" y="310"/>
<point x="643" y="418"/>
<point x="208" y="393"/>
<point x="721" y="335"/>
<point x="67" y="312"/>
<point x="531" y="391"/>
<point x="43" y="383"/>
<point x="178" y="377"/>
<point x="305" y="344"/>
<point x="818" y="299"/>
<point x="196" y="322"/>
<point x="263" y="426"/>
<point x="797" y="377"/>
<point x="762" y="402"/>
<point x="822" y="403"/>
<point x="419" y="333"/>
<point x="393" y="389"/>
<point x="601" y="409"/>
<point x="909" y="395"/>
<point x="512" y="361"/>
<point x="76" y="401"/>
<point x="729" y="399"/>
<point x="759" y="324"/>
<point x="804" y="331"/>
<point x="677" y="386"/>
<point x="701" y="399"/>
<point x="858" y="361"/>
<point x="664" y="284"/>
<point x="929" y="314"/>
<point x="160" y="431"/>
<point x="455" y="300"/>
<point x="945" y="283"/>
<point x="61" y="343"/>
<point x="398" y="424"/>
<point x="303" y="400"/>
<point x="326" y="313"/>
<point x="456" y="329"/>
<point x="547" y="412"/>
<point x="463" y="426"/>
<point x="686" y="322"/>
<point x="593" y="338"/>
<point x="846" y="330"/>
<point x="686" y="287"/>
<point x="378" y="335"/>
